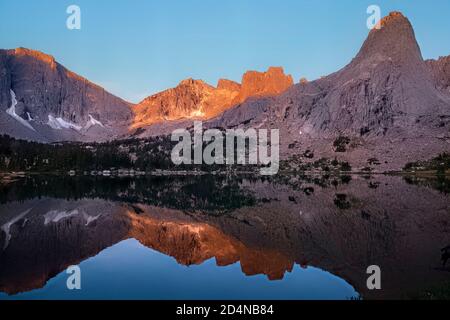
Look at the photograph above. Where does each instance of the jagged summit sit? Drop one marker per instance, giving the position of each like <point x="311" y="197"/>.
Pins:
<point x="199" y="100"/>
<point x="440" y="69"/>
<point x="226" y="84"/>
<point x="192" y="82"/>
<point x="273" y="81"/>
<point x="392" y="17"/>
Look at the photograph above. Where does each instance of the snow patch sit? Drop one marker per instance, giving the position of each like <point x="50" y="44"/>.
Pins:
<point x="93" y="122"/>
<point x="6" y="228"/>
<point x="55" y="216"/>
<point x="60" y="123"/>
<point x="196" y="114"/>
<point x="89" y="218"/>
<point x="12" y="112"/>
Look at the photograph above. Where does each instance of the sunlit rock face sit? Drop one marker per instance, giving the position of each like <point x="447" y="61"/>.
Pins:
<point x="260" y="84"/>
<point x="193" y="243"/>
<point x="47" y="92"/>
<point x="190" y="99"/>
<point x="195" y="99"/>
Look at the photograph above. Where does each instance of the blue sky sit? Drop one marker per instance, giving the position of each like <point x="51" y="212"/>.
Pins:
<point x="138" y="47"/>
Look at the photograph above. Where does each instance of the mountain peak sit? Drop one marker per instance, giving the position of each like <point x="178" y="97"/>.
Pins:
<point x="275" y="70"/>
<point x="190" y="82"/>
<point x="393" y="16"/>
<point x="395" y="40"/>
<point x="41" y="94"/>
<point x="48" y="59"/>
<point x="197" y="99"/>
<point x="230" y="85"/>
<point x="194" y="85"/>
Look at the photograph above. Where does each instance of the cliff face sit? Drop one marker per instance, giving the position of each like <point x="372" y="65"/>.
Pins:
<point x="441" y="72"/>
<point x="257" y="84"/>
<point x="53" y="100"/>
<point x="195" y="99"/>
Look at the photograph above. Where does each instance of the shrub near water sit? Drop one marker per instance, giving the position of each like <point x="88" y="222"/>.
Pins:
<point x="340" y="144"/>
<point x="440" y="164"/>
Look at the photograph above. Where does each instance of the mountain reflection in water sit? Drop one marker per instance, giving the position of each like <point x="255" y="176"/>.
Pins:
<point x="272" y="229"/>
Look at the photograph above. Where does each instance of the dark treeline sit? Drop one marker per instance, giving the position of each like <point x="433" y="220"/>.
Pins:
<point x="440" y="164"/>
<point x="139" y="154"/>
<point x="19" y="155"/>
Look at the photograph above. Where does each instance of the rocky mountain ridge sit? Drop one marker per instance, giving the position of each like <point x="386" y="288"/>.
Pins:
<point x="47" y="102"/>
<point x="195" y="99"/>
<point x="387" y="100"/>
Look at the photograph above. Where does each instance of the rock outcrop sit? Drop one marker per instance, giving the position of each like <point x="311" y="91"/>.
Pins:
<point x="225" y="84"/>
<point x="260" y="84"/>
<point x="440" y="69"/>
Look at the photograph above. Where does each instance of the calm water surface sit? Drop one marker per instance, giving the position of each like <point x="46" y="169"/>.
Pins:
<point x="213" y="237"/>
